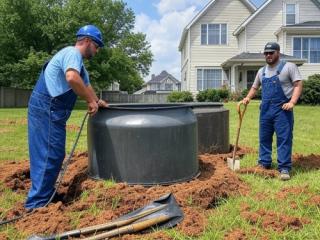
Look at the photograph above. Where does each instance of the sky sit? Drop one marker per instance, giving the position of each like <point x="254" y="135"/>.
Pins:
<point x="163" y="21"/>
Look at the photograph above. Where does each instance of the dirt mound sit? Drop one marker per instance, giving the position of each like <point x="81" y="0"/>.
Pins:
<point x="311" y="161"/>
<point x="287" y="191"/>
<point x="314" y="201"/>
<point x="272" y="220"/>
<point x="266" y="173"/>
<point x="236" y="234"/>
<point x="94" y="202"/>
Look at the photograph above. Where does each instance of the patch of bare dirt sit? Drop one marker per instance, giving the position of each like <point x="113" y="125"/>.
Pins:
<point x="236" y="234"/>
<point x="311" y="161"/>
<point x="257" y="170"/>
<point x="216" y="181"/>
<point x="289" y="191"/>
<point x="22" y="121"/>
<point x="270" y="220"/>
<point x="314" y="201"/>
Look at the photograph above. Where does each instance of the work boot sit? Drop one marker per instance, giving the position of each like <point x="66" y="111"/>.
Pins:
<point x="284" y="175"/>
<point x="262" y="166"/>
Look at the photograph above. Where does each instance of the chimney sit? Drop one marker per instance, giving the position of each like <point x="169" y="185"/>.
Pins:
<point x="153" y="76"/>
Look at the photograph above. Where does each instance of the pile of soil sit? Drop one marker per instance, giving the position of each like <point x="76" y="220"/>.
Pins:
<point x="216" y="181"/>
<point x="269" y="220"/>
<point x="309" y="162"/>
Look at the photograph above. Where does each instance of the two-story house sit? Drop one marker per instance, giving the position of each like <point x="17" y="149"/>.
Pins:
<point x="223" y="43"/>
<point x="162" y="83"/>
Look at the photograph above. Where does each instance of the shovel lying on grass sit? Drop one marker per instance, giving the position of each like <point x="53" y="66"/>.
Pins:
<point x="233" y="163"/>
<point x="163" y="213"/>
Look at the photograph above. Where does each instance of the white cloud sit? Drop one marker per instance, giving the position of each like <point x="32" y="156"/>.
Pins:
<point x="164" y="34"/>
<point x="165" y="6"/>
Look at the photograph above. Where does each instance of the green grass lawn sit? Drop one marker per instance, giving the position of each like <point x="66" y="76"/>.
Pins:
<point x="226" y="217"/>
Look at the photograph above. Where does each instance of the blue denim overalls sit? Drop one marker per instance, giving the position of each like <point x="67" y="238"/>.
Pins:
<point x="47" y="117"/>
<point x="274" y="119"/>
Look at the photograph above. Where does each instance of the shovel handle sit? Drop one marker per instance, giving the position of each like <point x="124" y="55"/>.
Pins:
<point x="241" y="111"/>
<point x="241" y="115"/>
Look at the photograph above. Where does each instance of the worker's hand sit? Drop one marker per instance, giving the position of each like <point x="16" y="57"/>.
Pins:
<point x="246" y="100"/>
<point x="102" y="103"/>
<point x="288" y="106"/>
<point x="92" y="108"/>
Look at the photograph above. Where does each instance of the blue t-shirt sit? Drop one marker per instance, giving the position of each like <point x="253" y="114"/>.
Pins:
<point x="55" y="72"/>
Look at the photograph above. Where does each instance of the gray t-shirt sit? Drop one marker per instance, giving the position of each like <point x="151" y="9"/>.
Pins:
<point x="289" y="74"/>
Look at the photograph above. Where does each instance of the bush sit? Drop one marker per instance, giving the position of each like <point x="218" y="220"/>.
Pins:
<point x="311" y="90"/>
<point x="184" y="96"/>
<point x="201" y="96"/>
<point x="223" y="94"/>
<point x="213" y="95"/>
<point x="245" y="92"/>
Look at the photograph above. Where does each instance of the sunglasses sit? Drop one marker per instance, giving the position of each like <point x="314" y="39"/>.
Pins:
<point x="96" y="45"/>
<point x="268" y="53"/>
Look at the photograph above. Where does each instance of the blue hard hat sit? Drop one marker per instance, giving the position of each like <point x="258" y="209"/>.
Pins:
<point x="92" y="32"/>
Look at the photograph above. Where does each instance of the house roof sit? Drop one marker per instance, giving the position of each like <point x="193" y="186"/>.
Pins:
<point x="305" y="26"/>
<point x="252" y="8"/>
<point x="164" y="75"/>
<point x="246" y="57"/>
<point x="263" y="6"/>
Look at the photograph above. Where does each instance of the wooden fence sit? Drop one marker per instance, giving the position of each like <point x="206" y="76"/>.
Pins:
<point x="11" y="97"/>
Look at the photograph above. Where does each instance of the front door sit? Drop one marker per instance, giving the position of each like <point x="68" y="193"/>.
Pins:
<point x="251" y="75"/>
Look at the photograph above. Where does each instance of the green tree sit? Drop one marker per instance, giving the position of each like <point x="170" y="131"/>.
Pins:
<point x="31" y="31"/>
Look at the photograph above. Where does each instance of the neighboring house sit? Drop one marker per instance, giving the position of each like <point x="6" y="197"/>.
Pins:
<point x="162" y="83"/>
<point x="115" y="86"/>
<point x="223" y="44"/>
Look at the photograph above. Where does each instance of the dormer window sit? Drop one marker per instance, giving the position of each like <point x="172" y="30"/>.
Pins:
<point x="290" y="14"/>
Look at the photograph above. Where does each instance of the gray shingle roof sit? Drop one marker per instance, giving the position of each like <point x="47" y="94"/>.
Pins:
<point x="306" y="24"/>
<point x="257" y="56"/>
<point x="163" y="75"/>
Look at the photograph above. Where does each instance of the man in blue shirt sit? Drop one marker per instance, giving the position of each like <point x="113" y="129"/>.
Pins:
<point x="62" y="79"/>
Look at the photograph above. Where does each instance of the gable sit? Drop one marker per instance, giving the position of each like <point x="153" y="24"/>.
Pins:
<point x="260" y="10"/>
<point x="211" y="4"/>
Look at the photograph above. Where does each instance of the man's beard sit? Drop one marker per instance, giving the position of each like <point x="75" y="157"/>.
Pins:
<point x="273" y="61"/>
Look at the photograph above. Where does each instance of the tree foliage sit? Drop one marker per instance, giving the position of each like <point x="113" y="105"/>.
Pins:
<point x="31" y="31"/>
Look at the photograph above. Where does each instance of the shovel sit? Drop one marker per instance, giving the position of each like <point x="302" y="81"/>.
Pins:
<point x="163" y="212"/>
<point x="233" y="163"/>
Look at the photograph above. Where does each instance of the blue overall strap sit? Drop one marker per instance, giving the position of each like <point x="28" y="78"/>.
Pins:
<point x="264" y="71"/>
<point x="280" y="66"/>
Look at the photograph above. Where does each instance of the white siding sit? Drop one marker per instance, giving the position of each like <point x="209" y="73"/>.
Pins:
<point x="308" y="11"/>
<point x="262" y="28"/>
<point x="242" y="42"/>
<point x="306" y="69"/>
<point x="231" y="12"/>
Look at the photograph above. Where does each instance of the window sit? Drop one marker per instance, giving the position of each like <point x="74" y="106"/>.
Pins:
<point x="308" y="48"/>
<point x="209" y="78"/>
<point x="168" y="86"/>
<point x="251" y="76"/>
<point x="213" y="34"/>
<point x="290" y="14"/>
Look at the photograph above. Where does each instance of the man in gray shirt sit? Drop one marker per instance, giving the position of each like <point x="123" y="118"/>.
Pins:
<point x="281" y="85"/>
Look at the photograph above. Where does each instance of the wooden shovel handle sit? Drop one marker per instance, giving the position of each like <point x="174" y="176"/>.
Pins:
<point x="241" y="114"/>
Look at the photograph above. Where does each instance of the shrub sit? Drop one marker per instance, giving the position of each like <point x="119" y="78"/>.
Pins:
<point x="201" y="96"/>
<point x="223" y="93"/>
<point x="213" y="95"/>
<point x="311" y="90"/>
<point x="184" y="96"/>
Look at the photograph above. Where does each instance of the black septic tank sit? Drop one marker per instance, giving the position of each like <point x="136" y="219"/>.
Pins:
<point x="213" y="127"/>
<point x="143" y="143"/>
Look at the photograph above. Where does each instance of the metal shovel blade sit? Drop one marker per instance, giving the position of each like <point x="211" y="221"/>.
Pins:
<point x="233" y="164"/>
